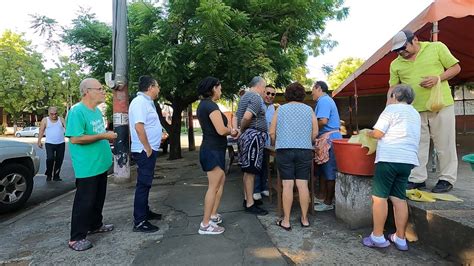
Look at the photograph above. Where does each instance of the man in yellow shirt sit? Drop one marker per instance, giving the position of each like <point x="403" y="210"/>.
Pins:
<point x="421" y="65"/>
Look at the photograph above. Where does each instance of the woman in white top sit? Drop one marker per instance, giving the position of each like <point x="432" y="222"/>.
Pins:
<point x="398" y="134"/>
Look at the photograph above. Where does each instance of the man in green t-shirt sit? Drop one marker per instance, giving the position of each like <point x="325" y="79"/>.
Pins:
<point x="422" y="65"/>
<point x="91" y="158"/>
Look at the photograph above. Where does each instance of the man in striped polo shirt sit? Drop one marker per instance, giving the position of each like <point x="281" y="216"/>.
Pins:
<point x="422" y="65"/>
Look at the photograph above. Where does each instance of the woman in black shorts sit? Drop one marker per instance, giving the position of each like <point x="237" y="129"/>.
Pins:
<point x="212" y="152"/>
<point x="293" y="129"/>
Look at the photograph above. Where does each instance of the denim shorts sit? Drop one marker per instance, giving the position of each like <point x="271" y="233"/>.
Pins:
<point x="294" y="163"/>
<point x="328" y="169"/>
<point x="210" y="158"/>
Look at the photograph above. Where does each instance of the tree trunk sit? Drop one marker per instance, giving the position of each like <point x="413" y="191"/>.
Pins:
<point x="175" y="133"/>
<point x="192" y="144"/>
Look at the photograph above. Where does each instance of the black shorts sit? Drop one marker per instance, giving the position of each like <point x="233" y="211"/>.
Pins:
<point x="210" y="158"/>
<point x="294" y="163"/>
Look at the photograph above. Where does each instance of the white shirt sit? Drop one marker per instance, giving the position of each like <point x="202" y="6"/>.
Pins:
<point x="401" y="125"/>
<point x="54" y="131"/>
<point x="142" y="110"/>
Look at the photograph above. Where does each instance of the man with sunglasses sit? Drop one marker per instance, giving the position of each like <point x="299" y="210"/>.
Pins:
<point x="422" y="65"/>
<point x="261" y="184"/>
<point x="53" y="127"/>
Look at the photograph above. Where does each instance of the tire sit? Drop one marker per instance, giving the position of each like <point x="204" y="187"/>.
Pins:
<point x="17" y="135"/>
<point x="36" y="135"/>
<point x="14" y="177"/>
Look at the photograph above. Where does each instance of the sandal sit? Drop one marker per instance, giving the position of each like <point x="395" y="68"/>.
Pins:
<point x="391" y="238"/>
<point x="104" y="228"/>
<point x="80" y="245"/>
<point x="282" y="226"/>
<point x="305" y="225"/>
<point x="368" y="242"/>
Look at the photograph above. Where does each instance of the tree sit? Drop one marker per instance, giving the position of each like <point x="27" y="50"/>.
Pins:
<point x="187" y="40"/>
<point x="343" y="70"/>
<point x="22" y="74"/>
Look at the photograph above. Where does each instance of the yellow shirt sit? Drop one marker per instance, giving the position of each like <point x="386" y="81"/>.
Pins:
<point x="432" y="60"/>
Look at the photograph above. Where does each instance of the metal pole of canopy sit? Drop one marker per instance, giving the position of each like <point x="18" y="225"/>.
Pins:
<point x="434" y="32"/>
<point x="356" y="102"/>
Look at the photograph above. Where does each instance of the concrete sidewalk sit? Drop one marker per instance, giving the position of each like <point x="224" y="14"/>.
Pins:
<point x="39" y="236"/>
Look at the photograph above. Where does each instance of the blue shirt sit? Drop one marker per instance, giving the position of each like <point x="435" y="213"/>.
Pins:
<point x="326" y="108"/>
<point x="294" y="127"/>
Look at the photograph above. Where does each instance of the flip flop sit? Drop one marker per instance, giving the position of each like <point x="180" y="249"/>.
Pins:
<point x="305" y="225"/>
<point x="368" y="242"/>
<point x="282" y="226"/>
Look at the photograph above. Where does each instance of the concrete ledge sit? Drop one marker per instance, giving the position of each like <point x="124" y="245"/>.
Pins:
<point x="445" y="232"/>
<point x="354" y="200"/>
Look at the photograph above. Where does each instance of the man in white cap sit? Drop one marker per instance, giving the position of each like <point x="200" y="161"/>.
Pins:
<point x="422" y="65"/>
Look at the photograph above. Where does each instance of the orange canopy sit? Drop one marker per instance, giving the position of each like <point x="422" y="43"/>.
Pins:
<point x="456" y="29"/>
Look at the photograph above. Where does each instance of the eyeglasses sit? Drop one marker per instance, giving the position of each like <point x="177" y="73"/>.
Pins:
<point x="271" y="93"/>
<point x="97" y="89"/>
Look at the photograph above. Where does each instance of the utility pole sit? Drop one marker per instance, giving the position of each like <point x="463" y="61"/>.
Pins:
<point x="119" y="82"/>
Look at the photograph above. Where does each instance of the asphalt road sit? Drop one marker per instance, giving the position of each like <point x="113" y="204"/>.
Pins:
<point x="42" y="190"/>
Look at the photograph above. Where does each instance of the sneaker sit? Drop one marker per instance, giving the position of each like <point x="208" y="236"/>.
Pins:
<point x="145" y="227"/>
<point x="317" y="201"/>
<point x="153" y="215"/>
<point x="323" y="207"/>
<point x="442" y="186"/>
<point x="210" y="229"/>
<point x="412" y="185"/>
<point x="266" y="193"/>
<point x="216" y="219"/>
<point x="254" y="209"/>
<point x="257" y="196"/>
<point x="57" y="179"/>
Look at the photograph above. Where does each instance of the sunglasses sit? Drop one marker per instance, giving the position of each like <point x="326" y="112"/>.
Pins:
<point x="401" y="49"/>
<point x="271" y="93"/>
<point x="53" y="113"/>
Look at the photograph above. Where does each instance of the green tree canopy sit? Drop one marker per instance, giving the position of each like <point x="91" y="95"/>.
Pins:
<point x="184" y="41"/>
<point x="343" y="70"/>
<point x="22" y="74"/>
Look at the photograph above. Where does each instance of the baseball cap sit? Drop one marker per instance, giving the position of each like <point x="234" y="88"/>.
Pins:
<point x="401" y="38"/>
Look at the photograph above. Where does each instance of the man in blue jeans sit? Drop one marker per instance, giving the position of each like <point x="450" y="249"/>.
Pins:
<point x="146" y="130"/>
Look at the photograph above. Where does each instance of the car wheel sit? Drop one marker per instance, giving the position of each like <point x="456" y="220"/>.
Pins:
<point x="18" y="135"/>
<point x="36" y="135"/>
<point x="16" y="185"/>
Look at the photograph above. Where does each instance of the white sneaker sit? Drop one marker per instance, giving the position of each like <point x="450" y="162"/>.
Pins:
<point x="266" y="193"/>
<point x="323" y="207"/>
<point x="211" y="229"/>
<point x="257" y="196"/>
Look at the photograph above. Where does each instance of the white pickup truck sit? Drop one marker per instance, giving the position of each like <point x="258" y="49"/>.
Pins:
<point x="18" y="165"/>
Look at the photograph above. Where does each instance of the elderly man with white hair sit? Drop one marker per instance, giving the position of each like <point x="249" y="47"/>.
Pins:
<point x="91" y="158"/>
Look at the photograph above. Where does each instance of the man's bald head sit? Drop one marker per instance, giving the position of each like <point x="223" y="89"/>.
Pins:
<point x="88" y="83"/>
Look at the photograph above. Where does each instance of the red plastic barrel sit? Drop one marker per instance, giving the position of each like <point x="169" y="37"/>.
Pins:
<point x="352" y="158"/>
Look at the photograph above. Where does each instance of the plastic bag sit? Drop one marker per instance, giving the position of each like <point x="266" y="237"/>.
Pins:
<point x="365" y="141"/>
<point x="435" y="102"/>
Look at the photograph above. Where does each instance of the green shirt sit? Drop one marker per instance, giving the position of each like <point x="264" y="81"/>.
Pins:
<point x="432" y="60"/>
<point x="90" y="159"/>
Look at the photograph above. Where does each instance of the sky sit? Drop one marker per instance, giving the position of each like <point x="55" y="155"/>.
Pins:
<point x="370" y="24"/>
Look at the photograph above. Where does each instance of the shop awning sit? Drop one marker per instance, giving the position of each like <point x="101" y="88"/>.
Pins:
<point x="455" y="20"/>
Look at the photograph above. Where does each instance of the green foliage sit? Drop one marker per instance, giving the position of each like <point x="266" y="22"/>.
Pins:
<point x="22" y="74"/>
<point x="2" y="129"/>
<point x="343" y="70"/>
<point x="91" y="42"/>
